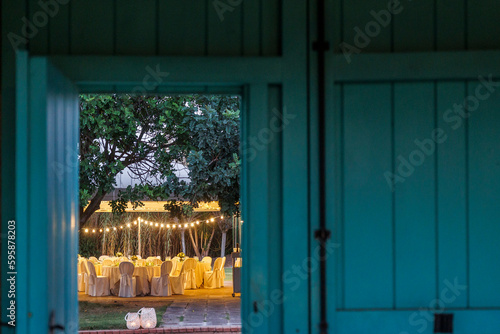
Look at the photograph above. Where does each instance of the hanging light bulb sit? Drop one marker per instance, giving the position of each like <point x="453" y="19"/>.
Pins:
<point x="192" y="224"/>
<point x="156" y="224"/>
<point x="180" y="225"/>
<point x="114" y="228"/>
<point x="185" y="225"/>
<point x="128" y="225"/>
<point x="221" y="217"/>
<point x="100" y="230"/>
<point x="86" y="230"/>
<point x="168" y="226"/>
<point x="150" y="223"/>
<point x="212" y="219"/>
<point x="121" y="226"/>
<point x="173" y="226"/>
<point x="135" y="222"/>
<point x="208" y="221"/>
<point x="161" y="225"/>
<point x="93" y="231"/>
<point x="107" y="229"/>
<point x="197" y="222"/>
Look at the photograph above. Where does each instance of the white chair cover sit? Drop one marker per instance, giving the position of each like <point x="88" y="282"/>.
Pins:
<point x="93" y="259"/>
<point x="98" y="286"/>
<point x="107" y="262"/>
<point x="207" y="259"/>
<point x="189" y="267"/>
<point x="150" y="258"/>
<point x="140" y="262"/>
<point x="178" y="279"/>
<point x="160" y="286"/>
<point x="167" y="258"/>
<point x="157" y="262"/>
<point x="85" y="276"/>
<point x="127" y="281"/>
<point x="212" y="279"/>
<point x="102" y="257"/>
<point x="139" y="257"/>
<point x="81" y="276"/>
<point x="123" y="258"/>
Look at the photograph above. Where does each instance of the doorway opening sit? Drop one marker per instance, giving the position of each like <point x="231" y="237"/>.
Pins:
<point x="159" y="191"/>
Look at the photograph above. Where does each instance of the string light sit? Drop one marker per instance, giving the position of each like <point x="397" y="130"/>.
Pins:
<point x="139" y="220"/>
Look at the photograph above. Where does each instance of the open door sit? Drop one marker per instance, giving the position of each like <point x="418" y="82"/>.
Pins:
<point x="47" y="198"/>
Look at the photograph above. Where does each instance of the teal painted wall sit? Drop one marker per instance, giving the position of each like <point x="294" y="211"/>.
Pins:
<point x="395" y="248"/>
<point x="404" y="244"/>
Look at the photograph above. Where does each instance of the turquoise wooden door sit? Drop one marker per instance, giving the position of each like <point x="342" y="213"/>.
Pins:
<point x="47" y="198"/>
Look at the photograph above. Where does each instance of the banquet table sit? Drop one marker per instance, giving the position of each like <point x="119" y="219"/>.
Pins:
<point x="201" y="268"/>
<point x="143" y="276"/>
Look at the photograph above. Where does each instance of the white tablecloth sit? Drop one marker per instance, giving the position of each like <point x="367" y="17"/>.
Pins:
<point x="141" y="274"/>
<point x="201" y="267"/>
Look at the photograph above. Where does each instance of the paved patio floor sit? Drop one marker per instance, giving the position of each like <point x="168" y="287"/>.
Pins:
<point x="196" y="308"/>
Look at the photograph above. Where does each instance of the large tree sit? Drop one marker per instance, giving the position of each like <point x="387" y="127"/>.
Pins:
<point x="139" y="135"/>
<point x="213" y="160"/>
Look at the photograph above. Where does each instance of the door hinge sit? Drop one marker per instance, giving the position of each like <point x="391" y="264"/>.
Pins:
<point x="322" y="234"/>
<point x="52" y="326"/>
<point x="321" y="46"/>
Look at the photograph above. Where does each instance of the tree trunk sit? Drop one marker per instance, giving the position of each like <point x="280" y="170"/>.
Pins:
<point x="195" y="243"/>
<point x="93" y="206"/>
<point x="223" y="245"/>
<point x="205" y="251"/>
<point x="183" y="239"/>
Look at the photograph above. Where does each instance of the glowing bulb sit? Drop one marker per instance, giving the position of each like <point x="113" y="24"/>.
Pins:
<point x="208" y="221"/>
<point x="107" y="229"/>
<point x="185" y="225"/>
<point x="168" y="226"/>
<point x="212" y="219"/>
<point x="173" y="226"/>
<point x="161" y="225"/>
<point x="197" y="222"/>
<point x="114" y="228"/>
<point x="180" y="225"/>
<point x="128" y="225"/>
<point x="135" y="222"/>
<point x="93" y="231"/>
<point x="86" y="230"/>
<point x="221" y="217"/>
<point x="121" y="226"/>
<point x="151" y="224"/>
<point x="100" y="230"/>
<point x="192" y="224"/>
<point x="156" y="224"/>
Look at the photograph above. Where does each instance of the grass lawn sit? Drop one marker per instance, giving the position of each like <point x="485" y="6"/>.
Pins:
<point x="111" y="316"/>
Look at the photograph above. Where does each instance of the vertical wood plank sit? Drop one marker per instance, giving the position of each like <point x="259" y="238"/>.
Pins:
<point x="251" y="28"/>
<point x="415" y="210"/>
<point x="275" y="197"/>
<point x="256" y="226"/>
<point x="182" y="27"/>
<point x="450" y="25"/>
<point x="59" y="33"/>
<point x="414" y="26"/>
<point x="296" y="169"/>
<point x="451" y="178"/>
<point x="225" y="29"/>
<point x="367" y="196"/>
<point x="136" y="27"/>
<point x="271" y="28"/>
<point x="92" y="27"/>
<point x="40" y="21"/>
<point x="484" y="196"/>
<point x="483" y="25"/>
<point x="367" y="25"/>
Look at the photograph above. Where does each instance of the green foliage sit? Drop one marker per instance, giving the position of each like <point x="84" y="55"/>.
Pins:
<point x="145" y="135"/>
